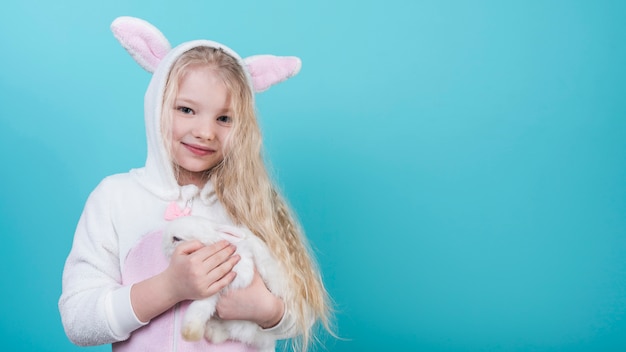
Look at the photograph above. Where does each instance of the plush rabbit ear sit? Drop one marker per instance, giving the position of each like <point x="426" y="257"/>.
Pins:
<point x="145" y="43"/>
<point x="267" y="70"/>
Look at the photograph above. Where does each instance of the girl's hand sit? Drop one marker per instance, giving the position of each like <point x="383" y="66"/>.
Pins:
<point x="197" y="271"/>
<point x="253" y="303"/>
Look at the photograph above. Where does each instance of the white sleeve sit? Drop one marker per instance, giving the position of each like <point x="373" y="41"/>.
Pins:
<point x="95" y="308"/>
<point x="286" y="327"/>
<point x="120" y="313"/>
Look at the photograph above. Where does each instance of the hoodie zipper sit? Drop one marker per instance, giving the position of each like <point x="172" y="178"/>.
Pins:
<point x="176" y="328"/>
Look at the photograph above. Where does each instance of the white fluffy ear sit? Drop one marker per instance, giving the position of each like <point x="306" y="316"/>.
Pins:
<point x="267" y="70"/>
<point x="145" y="43"/>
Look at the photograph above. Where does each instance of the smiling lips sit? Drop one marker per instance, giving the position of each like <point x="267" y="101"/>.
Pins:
<point x="199" y="150"/>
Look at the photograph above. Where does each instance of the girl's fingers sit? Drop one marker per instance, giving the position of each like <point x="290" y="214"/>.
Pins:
<point x="216" y="254"/>
<point x="222" y="275"/>
<point x="223" y="268"/>
<point x="209" y="268"/>
<point x="188" y="247"/>
<point x="218" y="285"/>
<point x="199" y="250"/>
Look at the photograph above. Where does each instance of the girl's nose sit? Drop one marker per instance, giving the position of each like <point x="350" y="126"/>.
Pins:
<point x="204" y="130"/>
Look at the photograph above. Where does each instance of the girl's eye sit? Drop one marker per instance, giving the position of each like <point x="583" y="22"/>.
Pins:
<point x="184" y="110"/>
<point x="225" y="119"/>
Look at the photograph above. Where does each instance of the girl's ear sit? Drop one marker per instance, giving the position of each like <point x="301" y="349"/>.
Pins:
<point x="145" y="43"/>
<point x="267" y="70"/>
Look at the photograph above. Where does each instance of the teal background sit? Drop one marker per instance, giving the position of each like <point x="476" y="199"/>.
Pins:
<point x="458" y="165"/>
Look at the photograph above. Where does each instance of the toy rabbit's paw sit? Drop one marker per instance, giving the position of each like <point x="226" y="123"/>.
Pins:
<point x="193" y="330"/>
<point x="215" y="332"/>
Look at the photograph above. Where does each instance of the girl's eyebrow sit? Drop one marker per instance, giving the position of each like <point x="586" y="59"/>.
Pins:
<point x="183" y="100"/>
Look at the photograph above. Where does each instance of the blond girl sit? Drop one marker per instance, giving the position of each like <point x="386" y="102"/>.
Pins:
<point x="204" y="159"/>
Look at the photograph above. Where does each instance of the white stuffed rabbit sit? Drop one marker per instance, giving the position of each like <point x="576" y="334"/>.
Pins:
<point x="199" y="319"/>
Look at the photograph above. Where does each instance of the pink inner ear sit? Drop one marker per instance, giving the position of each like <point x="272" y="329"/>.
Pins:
<point x="231" y="233"/>
<point x="267" y="70"/>
<point x="146" y="44"/>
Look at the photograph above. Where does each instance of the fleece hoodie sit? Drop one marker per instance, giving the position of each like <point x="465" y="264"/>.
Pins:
<point x="118" y="243"/>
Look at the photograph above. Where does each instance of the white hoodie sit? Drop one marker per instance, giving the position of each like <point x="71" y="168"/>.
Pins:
<point x="118" y="242"/>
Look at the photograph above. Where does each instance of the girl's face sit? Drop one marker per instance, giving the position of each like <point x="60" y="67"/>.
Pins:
<point x="201" y="123"/>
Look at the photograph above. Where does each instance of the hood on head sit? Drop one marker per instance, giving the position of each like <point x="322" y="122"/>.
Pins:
<point x="152" y="51"/>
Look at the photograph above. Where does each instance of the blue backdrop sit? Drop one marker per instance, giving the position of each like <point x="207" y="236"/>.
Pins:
<point x="459" y="166"/>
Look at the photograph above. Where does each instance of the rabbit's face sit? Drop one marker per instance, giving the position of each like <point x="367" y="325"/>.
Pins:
<point x="186" y="229"/>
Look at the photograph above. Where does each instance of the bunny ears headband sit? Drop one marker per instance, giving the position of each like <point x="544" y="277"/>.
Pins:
<point x="148" y="46"/>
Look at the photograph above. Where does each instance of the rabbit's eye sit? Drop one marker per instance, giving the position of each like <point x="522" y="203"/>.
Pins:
<point x="176" y="239"/>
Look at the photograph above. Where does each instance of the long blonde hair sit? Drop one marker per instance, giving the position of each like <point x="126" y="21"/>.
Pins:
<point x="246" y="191"/>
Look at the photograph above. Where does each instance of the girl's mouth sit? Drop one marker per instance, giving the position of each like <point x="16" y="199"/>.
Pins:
<point x="199" y="150"/>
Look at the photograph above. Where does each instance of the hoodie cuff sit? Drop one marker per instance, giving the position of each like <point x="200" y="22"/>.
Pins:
<point x="285" y="328"/>
<point x="120" y="313"/>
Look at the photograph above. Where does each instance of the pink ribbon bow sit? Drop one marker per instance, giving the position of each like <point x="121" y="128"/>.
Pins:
<point x="173" y="211"/>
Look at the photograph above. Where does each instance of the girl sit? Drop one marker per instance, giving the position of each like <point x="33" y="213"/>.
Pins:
<point x="204" y="158"/>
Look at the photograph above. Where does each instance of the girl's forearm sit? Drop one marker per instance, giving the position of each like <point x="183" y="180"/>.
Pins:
<point x="151" y="297"/>
<point x="274" y="315"/>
